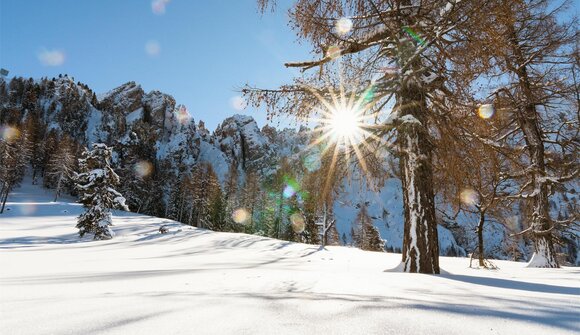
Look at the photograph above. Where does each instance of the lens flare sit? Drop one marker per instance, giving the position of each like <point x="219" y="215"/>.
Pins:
<point x="28" y="208"/>
<point x="182" y="114"/>
<point x="343" y="26"/>
<point x="289" y="191"/>
<point x="291" y="187"/>
<point x="486" y="111"/>
<point x="333" y="51"/>
<point x="143" y="169"/>
<point x="240" y="216"/>
<point x="9" y="134"/>
<point x="414" y="35"/>
<point x="468" y="196"/>
<point x="297" y="222"/>
<point x="152" y="48"/>
<point x="51" y="57"/>
<point x="312" y="162"/>
<point x="158" y="6"/>
<point x="238" y="103"/>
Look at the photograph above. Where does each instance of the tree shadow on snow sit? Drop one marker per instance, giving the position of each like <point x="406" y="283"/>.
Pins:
<point x="514" y="284"/>
<point x="546" y="315"/>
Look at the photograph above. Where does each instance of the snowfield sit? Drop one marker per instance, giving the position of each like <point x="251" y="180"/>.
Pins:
<point x="193" y="281"/>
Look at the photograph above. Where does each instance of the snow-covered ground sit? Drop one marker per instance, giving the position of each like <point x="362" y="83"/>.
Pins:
<point x="193" y="281"/>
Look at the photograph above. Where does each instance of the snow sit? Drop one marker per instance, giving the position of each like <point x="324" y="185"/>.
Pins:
<point x="192" y="280"/>
<point x="134" y="116"/>
<point x="409" y="119"/>
<point x="538" y="260"/>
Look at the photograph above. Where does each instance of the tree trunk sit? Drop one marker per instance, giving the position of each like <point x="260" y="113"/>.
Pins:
<point x="4" y="197"/>
<point x="420" y="241"/>
<point x="480" y="239"/>
<point x="527" y="117"/>
<point x="57" y="193"/>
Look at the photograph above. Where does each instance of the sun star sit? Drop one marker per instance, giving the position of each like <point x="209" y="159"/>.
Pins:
<point x="344" y="123"/>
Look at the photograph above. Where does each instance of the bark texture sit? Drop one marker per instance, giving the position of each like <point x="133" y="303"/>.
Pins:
<point x="420" y="241"/>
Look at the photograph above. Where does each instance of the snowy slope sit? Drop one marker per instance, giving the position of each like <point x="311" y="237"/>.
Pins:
<point x="193" y="281"/>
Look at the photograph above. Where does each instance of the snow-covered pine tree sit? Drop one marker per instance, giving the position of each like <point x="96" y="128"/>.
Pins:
<point x="365" y="234"/>
<point x="175" y="202"/>
<point x="95" y="183"/>
<point x="61" y="165"/>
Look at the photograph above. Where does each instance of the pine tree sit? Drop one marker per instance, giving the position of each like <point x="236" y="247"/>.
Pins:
<point x="365" y="235"/>
<point x="217" y="211"/>
<point x="138" y="171"/>
<point x="95" y="183"/>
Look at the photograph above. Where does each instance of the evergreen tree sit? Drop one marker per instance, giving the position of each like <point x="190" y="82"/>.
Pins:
<point x="364" y="234"/>
<point x="138" y="171"/>
<point x="217" y="211"/>
<point x="95" y="183"/>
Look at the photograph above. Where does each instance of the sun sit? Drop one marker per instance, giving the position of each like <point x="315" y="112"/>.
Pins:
<point x="344" y="123"/>
<point x="344" y="127"/>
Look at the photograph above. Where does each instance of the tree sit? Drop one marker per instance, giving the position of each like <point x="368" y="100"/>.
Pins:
<point x="203" y="197"/>
<point x="138" y="170"/>
<point x="14" y="156"/>
<point x="327" y="228"/>
<point x="533" y="59"/>
<point x="365" y="235"/>
<point x="61" y="165"/>
<point x="471" y="174"/>
<point x="95" y="183"/>
<point x="388" y="49"/>
<point x="231" y="194"/>
<point x="252" y="199"/>
<point x="37" y="131"/>
<point x="217" y="211"/>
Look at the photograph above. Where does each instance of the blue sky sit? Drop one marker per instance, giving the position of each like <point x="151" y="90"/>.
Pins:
<point x="200" y="52"/>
